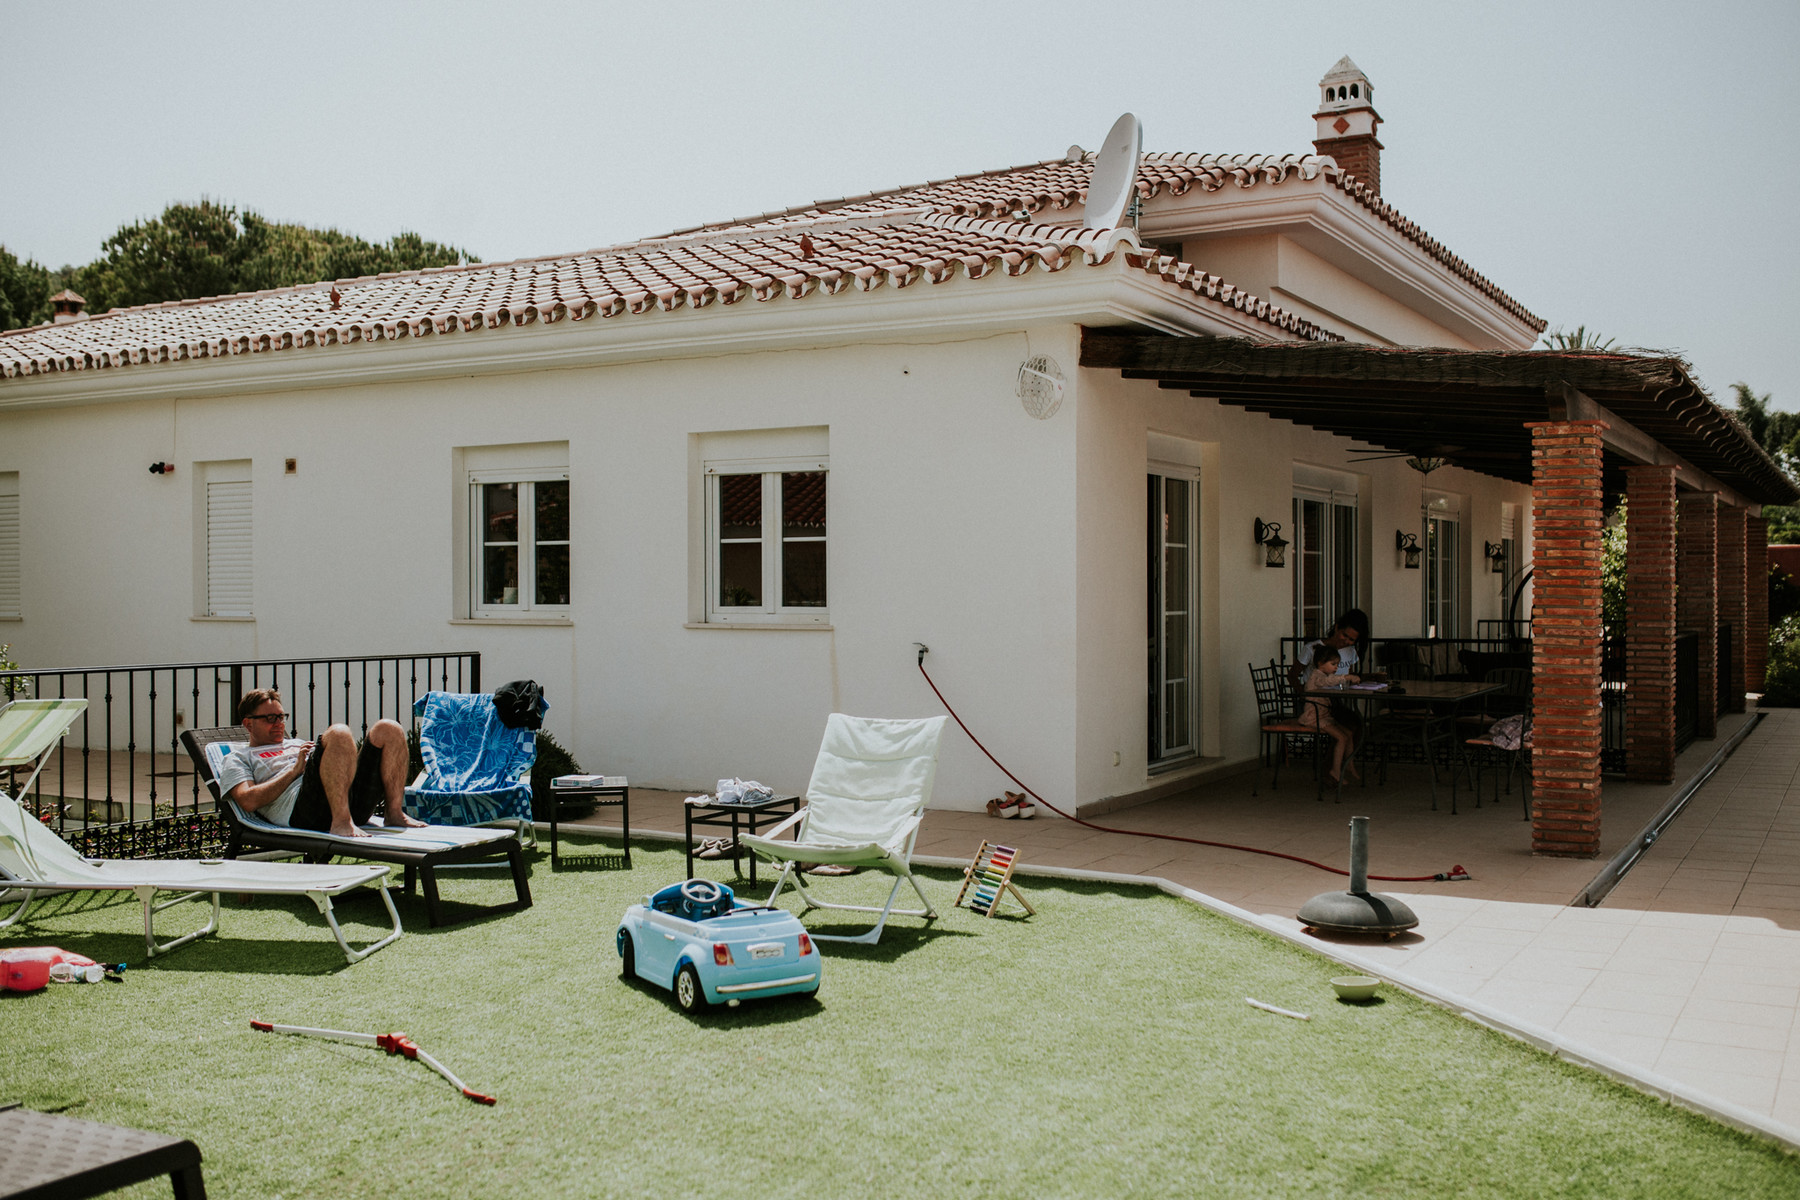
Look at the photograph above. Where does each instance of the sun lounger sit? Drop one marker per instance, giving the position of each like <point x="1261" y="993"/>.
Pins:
<point x="420" y="851"/>
<point x="35" y="861"/>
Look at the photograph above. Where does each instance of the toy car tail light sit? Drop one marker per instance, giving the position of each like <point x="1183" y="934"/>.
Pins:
<point x="722" y="954"/>
<point x="805" y="945"/>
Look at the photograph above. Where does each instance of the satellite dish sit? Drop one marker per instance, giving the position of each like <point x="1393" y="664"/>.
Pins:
<point x="1041" y="387"/>
<point x="1114" y="182"/>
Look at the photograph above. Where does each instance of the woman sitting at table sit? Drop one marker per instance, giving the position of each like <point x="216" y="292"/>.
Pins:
<point x="1316" y="711"/>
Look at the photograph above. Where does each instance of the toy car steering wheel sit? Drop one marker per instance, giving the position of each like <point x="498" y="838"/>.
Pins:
<point x="702" y="891"/>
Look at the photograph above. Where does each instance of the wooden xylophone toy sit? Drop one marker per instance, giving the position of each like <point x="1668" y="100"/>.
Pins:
<point x="988" y="879"/>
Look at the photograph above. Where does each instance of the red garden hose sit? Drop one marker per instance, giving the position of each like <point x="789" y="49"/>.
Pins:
<point x="1454" y="873"/>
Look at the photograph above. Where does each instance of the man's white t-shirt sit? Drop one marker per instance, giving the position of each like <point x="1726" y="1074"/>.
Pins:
<point x="259" y="764"/>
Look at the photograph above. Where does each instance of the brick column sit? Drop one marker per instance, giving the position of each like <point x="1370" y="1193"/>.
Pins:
<point x="1756" y="602"/>
<point x="1567" y="513"/>
<point x="1650" y="625"/>
<point x="1697" y="603"/>
<point x="1733" y="606"/>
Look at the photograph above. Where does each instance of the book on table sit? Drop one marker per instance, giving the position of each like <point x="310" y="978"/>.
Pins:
<point x="588" y="781"/>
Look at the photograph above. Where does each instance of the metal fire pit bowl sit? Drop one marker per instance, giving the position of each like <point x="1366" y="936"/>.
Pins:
<point x="1358" y="910"/>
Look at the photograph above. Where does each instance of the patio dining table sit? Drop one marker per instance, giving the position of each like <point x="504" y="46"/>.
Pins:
<point x="1440" y="696"/>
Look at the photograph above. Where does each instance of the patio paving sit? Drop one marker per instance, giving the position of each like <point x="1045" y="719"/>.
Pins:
<point x="1689" y="970"/>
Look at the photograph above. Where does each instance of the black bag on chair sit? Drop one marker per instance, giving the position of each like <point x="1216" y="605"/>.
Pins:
<point x="519" y="704"/>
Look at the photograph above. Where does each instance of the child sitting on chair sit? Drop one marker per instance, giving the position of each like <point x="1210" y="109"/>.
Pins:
<point x="1316" y="711"/>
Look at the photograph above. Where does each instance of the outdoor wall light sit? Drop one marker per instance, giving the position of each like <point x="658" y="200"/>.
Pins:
<point x="1496" y="555"/>
<point x="1268" y="536"/>
<point x="1408" y="544"/>
<point x="162" y="468"/>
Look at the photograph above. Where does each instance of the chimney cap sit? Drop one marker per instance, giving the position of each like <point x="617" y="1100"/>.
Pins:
<point x="66" y="305"/>
<point x="1345" y="87"/>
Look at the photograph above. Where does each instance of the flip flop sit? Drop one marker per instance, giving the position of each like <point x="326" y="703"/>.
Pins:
<point x="832" y="869"/>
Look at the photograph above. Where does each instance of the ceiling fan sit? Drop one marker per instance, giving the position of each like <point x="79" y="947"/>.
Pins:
<point x="1422" y="458"/>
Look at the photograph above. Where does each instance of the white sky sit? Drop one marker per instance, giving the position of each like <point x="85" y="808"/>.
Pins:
<point x="1620" y="165"/>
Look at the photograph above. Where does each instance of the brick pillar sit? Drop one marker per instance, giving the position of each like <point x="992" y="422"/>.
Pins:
<point x="1567" y="514"/>
<point x="1733" y="605"/>
<point x="1756" y="602"/>
<point x="1697" y="602"/>
<point x="1650" y="625"/>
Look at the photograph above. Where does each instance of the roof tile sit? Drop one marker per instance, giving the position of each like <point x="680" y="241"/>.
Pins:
<point x="966" y="227"/>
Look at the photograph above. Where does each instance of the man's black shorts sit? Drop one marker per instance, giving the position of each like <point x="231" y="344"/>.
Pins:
<point x="313" y="811"/>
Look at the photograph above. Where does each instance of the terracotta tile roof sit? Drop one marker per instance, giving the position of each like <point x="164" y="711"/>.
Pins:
<point x="895" y="248"/>
<point x="1060" y="185"/>
<point x="967" y="227"/>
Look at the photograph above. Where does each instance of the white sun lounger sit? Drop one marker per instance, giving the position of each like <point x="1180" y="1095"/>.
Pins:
<point x="870" y="785"/>
<point x="34" y="860"/>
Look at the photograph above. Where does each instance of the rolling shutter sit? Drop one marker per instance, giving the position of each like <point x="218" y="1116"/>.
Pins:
<point x="228" y="577"/>
<point x="9" y="554"/>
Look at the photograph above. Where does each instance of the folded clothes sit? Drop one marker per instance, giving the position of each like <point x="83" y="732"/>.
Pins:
<point x="742" y="791"/>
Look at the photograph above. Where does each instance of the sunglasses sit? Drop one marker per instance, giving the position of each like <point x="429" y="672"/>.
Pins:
<point x="280" y="716"/>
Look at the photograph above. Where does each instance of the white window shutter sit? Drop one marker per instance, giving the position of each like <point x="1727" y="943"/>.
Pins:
<point x="9" y="554"/>
<point x="228" y="544"/>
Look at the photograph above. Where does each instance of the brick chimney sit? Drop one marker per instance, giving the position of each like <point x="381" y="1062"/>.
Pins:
<point x="66" y="306"/>
<point x="1347" y="121"/>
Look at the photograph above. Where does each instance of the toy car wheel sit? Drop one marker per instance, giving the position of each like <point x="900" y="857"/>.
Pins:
<point x="688" y="992"/>
<point x="627" y="956"/>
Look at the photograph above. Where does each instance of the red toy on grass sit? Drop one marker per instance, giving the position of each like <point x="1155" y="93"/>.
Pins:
<point x="393" y="1043"/>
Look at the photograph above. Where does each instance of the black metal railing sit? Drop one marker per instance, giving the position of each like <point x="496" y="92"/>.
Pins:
<point x="121" y="786"/>
<point x="1458" y="658"/>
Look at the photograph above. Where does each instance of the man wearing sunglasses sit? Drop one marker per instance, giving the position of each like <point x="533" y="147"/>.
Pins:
<point x="332" y="787"/>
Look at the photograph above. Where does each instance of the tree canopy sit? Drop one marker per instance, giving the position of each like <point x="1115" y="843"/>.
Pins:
<point x="1778" y="432"/>
<point x="208" y="249"/>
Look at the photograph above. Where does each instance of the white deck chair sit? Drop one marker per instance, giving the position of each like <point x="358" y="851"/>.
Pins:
<point x="34" y="860"/>
<point x="868" y="794"/>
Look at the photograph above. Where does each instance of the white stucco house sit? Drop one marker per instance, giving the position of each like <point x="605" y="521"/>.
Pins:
<point x="711" y="486"/>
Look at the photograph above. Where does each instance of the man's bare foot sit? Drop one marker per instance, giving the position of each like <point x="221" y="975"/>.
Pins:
<point x="346" y="830"/>
<point x="400" y="820"/>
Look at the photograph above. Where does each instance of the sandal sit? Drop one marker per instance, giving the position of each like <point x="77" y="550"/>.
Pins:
<point x="832" y="869"/>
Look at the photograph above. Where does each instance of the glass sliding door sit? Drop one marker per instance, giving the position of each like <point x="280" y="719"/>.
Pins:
<point x="1170" y="560"/>
<point x="1324" y="557"/>
<point x="1443" y="577"/>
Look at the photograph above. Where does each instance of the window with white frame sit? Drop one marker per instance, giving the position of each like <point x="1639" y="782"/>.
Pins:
<point x="227" y="573"/>
<point x="10" y="584"/>
<point x="519" y="542"/>
<point x="1325" y="549"/>
<point x="766" y="539"/>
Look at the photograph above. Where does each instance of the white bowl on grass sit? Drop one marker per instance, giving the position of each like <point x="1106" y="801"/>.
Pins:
<point x="1355" y="987"/>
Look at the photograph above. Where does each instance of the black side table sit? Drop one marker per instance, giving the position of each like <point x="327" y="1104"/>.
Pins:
<point x="603" y="795"/>
<point x="727" y="816"/>
<point x="44" y="1156"/>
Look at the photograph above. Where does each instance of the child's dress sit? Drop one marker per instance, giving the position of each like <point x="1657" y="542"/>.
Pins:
<point x="1315" y="711"/>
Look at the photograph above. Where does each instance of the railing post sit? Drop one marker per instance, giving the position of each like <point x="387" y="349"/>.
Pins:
<point x="475" y="671"/>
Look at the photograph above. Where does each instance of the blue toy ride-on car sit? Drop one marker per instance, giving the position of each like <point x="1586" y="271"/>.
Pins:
<point x="698" y="940"/>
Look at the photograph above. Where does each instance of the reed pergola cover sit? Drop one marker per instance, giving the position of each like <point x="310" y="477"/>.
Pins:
<point x="1469" y="406"/>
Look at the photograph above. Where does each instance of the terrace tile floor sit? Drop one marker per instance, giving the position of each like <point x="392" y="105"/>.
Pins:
<point x="1690" y="968"/>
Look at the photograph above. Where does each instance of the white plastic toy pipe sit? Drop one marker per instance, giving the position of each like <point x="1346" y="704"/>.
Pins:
<point x="393" y="1043"/>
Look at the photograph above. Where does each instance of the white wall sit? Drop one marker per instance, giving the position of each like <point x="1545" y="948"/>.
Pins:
<point x="951" y="523"/>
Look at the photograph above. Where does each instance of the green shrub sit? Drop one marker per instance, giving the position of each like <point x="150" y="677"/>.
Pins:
<point x="552" y="760"/>
<point x="1781" y="681"/>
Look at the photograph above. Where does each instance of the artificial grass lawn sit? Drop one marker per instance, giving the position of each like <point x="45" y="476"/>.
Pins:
<point x="1101" y="1048"/>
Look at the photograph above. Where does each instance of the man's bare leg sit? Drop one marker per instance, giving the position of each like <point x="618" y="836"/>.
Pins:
<point x="337" y="767"/>
<point x="390" y="739"/>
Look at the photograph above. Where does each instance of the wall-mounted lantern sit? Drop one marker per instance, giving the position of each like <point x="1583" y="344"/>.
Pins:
<point x="1408" y="544"/>
<point x="1496" y="556"/>
<point x="1268" y="536"/>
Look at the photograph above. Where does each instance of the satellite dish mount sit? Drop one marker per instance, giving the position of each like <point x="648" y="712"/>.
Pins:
<point x="1112" y="189"/>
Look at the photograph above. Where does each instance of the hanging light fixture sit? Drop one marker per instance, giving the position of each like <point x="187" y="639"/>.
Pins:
<point x="1496" y="555"/>
<point x="1268" y="536"/>
<point x="1426" y="464"/>
<point x="1408" y="544"/>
